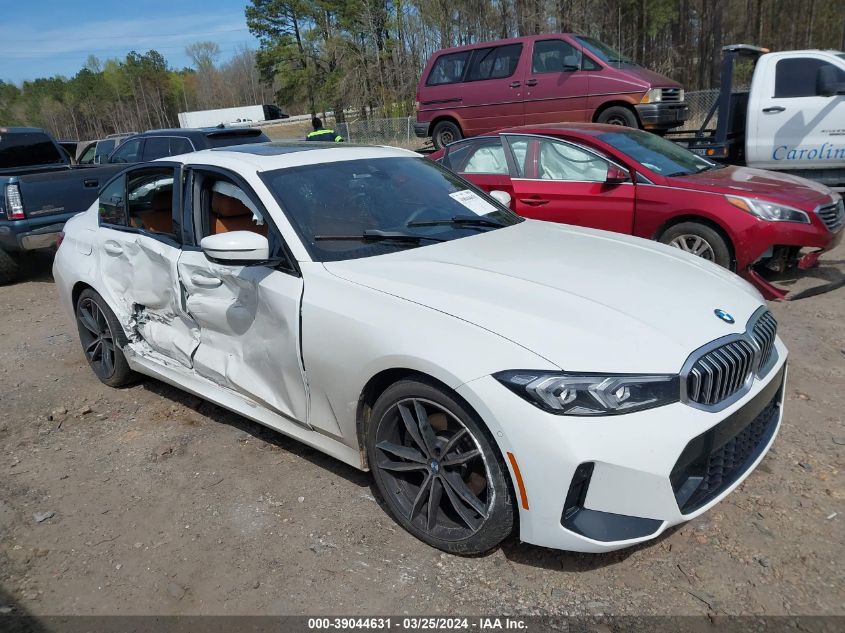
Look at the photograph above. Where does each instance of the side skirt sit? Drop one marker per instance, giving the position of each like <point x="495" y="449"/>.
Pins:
<point x="203" y="388"/>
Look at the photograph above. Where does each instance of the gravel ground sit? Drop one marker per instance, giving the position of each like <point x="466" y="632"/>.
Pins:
<point x="148" y="500"/>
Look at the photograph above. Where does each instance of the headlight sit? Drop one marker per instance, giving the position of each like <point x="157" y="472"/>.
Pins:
<point x="770" y="211"/>
<point x="653" y="95"/>
<point x="681" y="95"/>
<point x="584" y="394"/>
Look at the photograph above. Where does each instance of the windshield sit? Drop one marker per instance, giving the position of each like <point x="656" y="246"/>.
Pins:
<point x="25" y="149"/>
<point x="361" y="208"/>
<point x="657" y="154"/>
<point x="604" y="52"/>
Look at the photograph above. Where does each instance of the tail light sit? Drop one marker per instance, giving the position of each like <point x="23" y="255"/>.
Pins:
<point x="14" y="204"/>
<point x="60" y="237"/>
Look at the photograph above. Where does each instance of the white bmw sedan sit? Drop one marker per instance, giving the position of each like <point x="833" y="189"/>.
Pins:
<point x="592" y="388"/>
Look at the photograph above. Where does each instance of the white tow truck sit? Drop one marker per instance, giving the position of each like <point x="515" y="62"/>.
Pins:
<point x="792" y="118"/>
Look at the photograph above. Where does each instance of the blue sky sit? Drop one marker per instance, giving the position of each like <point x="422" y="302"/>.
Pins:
<point x="43" y="38"/>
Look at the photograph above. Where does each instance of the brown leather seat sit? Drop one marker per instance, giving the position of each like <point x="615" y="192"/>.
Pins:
<point x="160" y="216"/>
<point x="230" y="214"/>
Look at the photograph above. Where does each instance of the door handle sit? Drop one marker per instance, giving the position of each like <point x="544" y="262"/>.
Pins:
<point x="773" y="109"/>
<point x="534" y="202"/>
<point x="205" y="281"/>
<point x="515" y="84"/>
<point x="91" y="182"/>
<point x="531" y="82"/>
<point x="113" y="248"/>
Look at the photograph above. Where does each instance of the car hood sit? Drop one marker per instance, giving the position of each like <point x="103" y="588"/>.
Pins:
<point x="648" y="78"/>
<point x="758" y="183"/>
<point x="583" y="299"/>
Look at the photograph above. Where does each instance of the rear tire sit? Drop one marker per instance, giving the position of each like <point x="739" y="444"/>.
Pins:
<point x="619" y="115"/>
<point x="102" y="339"/>
<point x="446" y="132"/>
<point x="701" y="240"/>
<point x="440" y="473"/>
<point x="9" y="268"/>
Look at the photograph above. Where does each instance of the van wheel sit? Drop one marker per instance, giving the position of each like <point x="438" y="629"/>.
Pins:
<point x="446" y="132"/>
<point x="102" y="340"/>
<point x="9" y="268"/>
<point x="700" y="240"/>
<point x="619" y="115"/>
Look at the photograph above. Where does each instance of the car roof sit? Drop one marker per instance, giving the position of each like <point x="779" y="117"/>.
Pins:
<point x="200" y="131"/>
<point x="577" y="129"/>
<point x="284" y="154"/>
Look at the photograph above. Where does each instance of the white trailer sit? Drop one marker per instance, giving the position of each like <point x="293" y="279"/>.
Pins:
<point x="227" y="117"/>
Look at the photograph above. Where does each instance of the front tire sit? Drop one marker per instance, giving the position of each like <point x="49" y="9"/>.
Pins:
<point x="445" y="132"/>
<point x="438" y="470"/>
<point x="619" y="115"/>
<point x="9" y="268"/>
<point x="102" y="339"/>
<point x="699" y="239"/>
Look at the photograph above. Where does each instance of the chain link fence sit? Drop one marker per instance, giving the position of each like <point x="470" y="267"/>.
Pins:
<point x="400" y="131"/>
<point x="700" y="102"/>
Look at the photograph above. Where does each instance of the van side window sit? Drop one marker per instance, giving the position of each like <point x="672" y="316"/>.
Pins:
<point x="551" y="56"/>
<point x="494" y="63"/>
<point x="797" y="77"/>
<point x="448" y="69"/>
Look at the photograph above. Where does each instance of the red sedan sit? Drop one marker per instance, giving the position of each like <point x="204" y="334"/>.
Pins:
<point x="629" y="181"/>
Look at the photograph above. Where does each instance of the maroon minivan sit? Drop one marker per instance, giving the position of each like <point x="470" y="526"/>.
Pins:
<point x="549" y="78"/>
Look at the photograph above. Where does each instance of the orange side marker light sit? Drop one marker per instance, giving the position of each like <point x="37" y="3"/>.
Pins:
<point x="519" y="483"/>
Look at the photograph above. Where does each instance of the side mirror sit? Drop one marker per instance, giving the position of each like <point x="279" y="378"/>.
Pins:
<point x="502" y="196"/>
<point x="236" y="248"/>
<point x="826" y="81"/>
<point x="616" y="175"/>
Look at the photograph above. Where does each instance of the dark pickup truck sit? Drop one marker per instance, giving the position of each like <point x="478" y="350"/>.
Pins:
<point x="41" y="189"/>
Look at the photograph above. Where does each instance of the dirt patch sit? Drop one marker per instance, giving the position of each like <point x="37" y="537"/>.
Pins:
<point x="166" y="504"/>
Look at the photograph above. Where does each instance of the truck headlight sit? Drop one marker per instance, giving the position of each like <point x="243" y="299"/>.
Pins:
<point x="770" y="211"/>
<point x="590" y="394"/>
<point x="654" y="95"/>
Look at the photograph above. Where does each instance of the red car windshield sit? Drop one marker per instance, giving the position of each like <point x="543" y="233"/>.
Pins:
<point x="657" y="154"/>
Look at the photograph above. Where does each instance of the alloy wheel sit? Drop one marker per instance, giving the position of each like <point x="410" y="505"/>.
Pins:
<point x="97" y="337"/>
<point x="694" y="244"/>
<point x="434" y="469"/>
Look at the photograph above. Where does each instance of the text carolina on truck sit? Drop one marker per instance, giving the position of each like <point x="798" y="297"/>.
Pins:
<point x="792" y="118"/>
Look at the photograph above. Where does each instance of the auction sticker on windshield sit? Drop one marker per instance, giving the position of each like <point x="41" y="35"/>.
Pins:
<point x="473" y="202"/>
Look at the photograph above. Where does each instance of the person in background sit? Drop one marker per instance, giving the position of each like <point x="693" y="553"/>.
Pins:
<point x="321" y="133"/>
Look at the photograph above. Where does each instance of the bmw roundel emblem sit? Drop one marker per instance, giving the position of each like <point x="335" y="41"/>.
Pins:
<point x="725" y="316"/>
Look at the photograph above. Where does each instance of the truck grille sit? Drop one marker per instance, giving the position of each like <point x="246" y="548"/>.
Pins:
<point x="671" y="95"/>
<point x="833" y="215"/>
<point x="720" y="373"/>
<point x="764" y="332"/>
<point x="714" y="374"/>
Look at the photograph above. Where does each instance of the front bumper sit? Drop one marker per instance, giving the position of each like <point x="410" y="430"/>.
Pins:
<point x="662" y="116"/>
<point x="647" y="470"/>
<point x="421" y="129"/>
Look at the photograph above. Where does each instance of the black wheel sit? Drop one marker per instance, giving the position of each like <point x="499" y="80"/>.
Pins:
<point x="619" y="115"/>
<point x="699" y="239"/>
<point x="102" y="339"/>
<point x="446" y="132"/>
<point x="438" y="470"/>
<point x="9" y="268"/>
